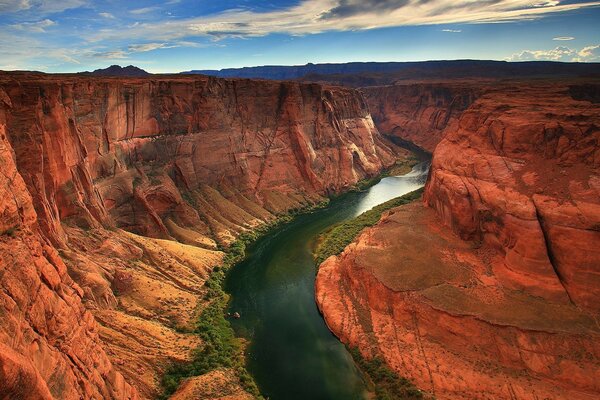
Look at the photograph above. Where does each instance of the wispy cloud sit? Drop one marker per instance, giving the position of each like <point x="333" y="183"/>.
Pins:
<point x="39" y="6"/>
<point x="563" y="38"/>
<point x="452" y="30"/>
<point x="106" y="15"/>
<point x="144" y="10"/>
<point x="37" y="27"/>
<point x="139" y="48"/>
<point x="560" y="53"/>
<point x="315" y="16"/>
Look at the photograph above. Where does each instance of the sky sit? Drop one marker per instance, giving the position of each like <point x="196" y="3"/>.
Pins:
<point x="180" y="35"/>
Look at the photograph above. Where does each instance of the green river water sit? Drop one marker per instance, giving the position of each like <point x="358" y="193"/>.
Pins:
<point x="292" y="354"/>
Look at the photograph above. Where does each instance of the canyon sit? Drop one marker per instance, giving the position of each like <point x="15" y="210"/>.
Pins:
<point x="119" y="196"/>
<point x="487" y="289"/>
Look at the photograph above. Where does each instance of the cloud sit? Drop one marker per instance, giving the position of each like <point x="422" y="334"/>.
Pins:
<point x="106" y="15"/>
<point x="41" y="7"/>
<point x="589" y="53"/>
<point x="316" y="16"/>
<point x="452" y="30"/>
<point x="37" y="27"/>
<point x="111" y="55"/>
<point x="144" y="10"/>
<point x="9" y="6"/>
<point x="560" y="53"/>
<point x="139" y="48"/>
<point x="349" y="8"/>
<point x="564" y="38"/>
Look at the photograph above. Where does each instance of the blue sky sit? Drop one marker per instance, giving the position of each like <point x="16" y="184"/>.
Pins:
<point x="178" y="35"/>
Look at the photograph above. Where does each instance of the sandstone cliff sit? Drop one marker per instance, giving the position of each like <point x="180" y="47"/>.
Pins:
<point x="136" y="181"/>
<point x="488" y="289"/>
<point x="420" y="113"/>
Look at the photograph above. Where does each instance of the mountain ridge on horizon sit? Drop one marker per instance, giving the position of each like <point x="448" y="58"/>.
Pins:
<point x="411" y="69"/>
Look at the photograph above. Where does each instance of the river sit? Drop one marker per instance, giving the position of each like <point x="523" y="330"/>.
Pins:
<point x="292" y="354"/>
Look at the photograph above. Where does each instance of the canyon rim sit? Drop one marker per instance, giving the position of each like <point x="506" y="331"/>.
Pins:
<point x="241" y="210"/>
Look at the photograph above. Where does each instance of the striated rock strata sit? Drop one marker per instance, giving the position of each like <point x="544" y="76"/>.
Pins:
<point x="487" y="290"/>
<point x="420" y="113"/>
<point x="115" y="196"/>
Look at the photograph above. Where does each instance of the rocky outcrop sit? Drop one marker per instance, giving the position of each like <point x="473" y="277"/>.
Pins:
<point x="430" y="304"/>
<point x="139" y="154"/>
<point x="521" y="173"/>
<point x="135" y="181"/>
<point x="487" y="289"/>
<point x="49" y="342"/>
<point x="419" y="113"/>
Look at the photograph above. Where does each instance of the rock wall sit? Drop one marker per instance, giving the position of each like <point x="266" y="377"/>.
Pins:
<point x="521" y="173"/>
<point x="420" y="113"/>
<point x="49" y="342"/>
<point x="488" y="288"/>
<point x="135" y="181"/>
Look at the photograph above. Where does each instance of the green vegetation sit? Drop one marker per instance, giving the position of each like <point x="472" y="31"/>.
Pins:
<point x="222" y="349"/>
<point x="335" y="240"/>
<point x="388" y="385"/>
<point x="401" y="167"/>
<point x="10" y="232"/>
<point x="137" y="181"/>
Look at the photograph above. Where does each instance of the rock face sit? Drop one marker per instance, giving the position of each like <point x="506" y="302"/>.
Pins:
<point x="521" y="173"/>
<point x="49" y="342"/>
<point x="487" y="290"/>
<point x="135" y="181"/>
<point x="419" y="113"/>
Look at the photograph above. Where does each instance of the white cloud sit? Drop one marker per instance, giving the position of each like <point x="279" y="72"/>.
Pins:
<point x="41" y="7"/>
<point x="106" y="15"/>
<point x="37" y="27"/>
<point x="564" y="38"/>
<point x="111" y="55"/>
<point x="560" y="53"/>
<point x="315" y="16"/>
<point x="8" y="6"/>
<point x="144" y="10"/>
<point x="452" y="30"/>
<point x="589" y="53"/>
<point x="139" y="48"/>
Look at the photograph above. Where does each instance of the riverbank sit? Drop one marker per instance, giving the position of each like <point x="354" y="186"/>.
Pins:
<point x="222" y="348"/>
<point x="385" y="383"/>
<point x="291" y="352"/>
<point x="335" y="240"/>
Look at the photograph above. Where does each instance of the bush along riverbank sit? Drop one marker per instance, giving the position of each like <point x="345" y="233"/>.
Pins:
<point x="335" y="240"/>
<point x="401" y="167"/>
<point x="384" y="382"/>
<point x="221" y="349"/>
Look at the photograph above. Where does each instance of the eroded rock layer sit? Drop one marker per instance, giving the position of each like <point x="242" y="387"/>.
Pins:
<point x="420" y="113"/>
<point x="488" y="289"/>
<point x="115" y="196"/>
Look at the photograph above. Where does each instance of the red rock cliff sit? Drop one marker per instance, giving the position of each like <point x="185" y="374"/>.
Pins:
<point x="193" y="160"/>
<point x="419" y="113"/>
<point x="490" y="292"/>
<point x="522" y="174"/>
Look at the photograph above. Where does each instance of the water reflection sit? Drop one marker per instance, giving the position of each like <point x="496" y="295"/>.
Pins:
<point x="292" y="354"/>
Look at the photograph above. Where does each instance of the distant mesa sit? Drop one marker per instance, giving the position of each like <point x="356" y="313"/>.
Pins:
<point x="384" y="73"/>
<point x="117" y="70"/>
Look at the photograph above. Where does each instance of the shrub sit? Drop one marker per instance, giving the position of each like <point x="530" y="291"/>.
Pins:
<point x="388" y="384"/>
<point x="335" y="240"/>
